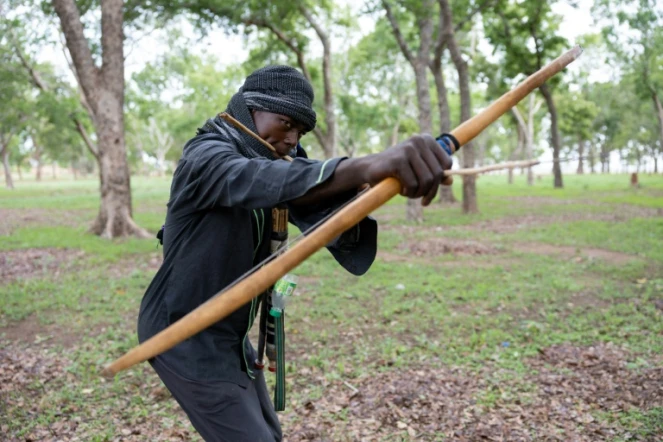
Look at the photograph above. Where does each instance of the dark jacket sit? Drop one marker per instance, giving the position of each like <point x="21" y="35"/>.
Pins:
<point x="218" y="225"/>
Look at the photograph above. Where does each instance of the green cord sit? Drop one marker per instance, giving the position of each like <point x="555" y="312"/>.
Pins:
<point x="279" y="390"/>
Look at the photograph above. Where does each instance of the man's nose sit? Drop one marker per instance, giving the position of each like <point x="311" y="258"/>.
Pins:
<point x="291" y="137"/>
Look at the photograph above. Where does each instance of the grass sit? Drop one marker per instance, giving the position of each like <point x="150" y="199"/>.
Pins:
<point x="468" y="311"/>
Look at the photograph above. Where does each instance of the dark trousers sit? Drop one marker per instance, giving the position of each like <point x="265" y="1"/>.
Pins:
<point x="224" y="411"/>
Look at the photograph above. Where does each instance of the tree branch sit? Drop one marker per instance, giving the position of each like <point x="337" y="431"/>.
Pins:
<point x="77" y="44"/>
<point x="519" y="118"/>
<point x="86" y="138"/>
<point x="36" y="78"/>
<point x="476" y="10"/>
<point x="397" y="33"/>
<point x="81" y="94"/>
<point x="284" y="38"/>
<point x="330" y="118"/>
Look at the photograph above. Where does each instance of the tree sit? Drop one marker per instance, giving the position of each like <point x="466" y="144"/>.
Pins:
<point x="576" y="122"/>
<point x="633" y="32"/>
<point x="376" y="105"/>
<point x="449" y="37"/>
<point x="173" y="95"/>
<point x="418" y="57"/>
<point x="17" y="103"/>
<point x="526" y="32"/>
<point x="103" y="89"/>
<point x="453" y="20"/>
<point x="286" y="24"/>
<point x="526" y="130"/>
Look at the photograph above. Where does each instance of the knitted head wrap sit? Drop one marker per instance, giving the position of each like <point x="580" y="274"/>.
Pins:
<point x="276" y="89"/>
<point x="281" y="90"/>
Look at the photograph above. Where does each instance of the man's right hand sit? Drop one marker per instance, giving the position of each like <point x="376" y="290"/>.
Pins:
<point x="418" y="163"/>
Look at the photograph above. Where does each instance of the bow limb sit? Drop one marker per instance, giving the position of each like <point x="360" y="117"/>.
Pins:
<point x="227" y="301"/>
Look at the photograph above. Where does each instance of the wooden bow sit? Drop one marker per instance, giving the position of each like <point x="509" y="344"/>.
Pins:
<point x="229" y="300"/>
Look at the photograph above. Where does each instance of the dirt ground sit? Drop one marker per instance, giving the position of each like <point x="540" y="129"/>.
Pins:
<point x="33" y="263"/>
<point x="567" y="393"/>
<point x="557" y="399"/>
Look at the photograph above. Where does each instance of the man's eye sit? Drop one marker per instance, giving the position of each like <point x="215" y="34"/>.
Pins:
<point x="287" y="123"/>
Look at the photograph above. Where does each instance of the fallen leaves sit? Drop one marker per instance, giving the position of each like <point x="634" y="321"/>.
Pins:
<point x="570" y="393"/>
<point x="43" y="399"/>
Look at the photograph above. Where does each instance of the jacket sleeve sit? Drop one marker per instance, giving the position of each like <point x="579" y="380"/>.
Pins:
<point x="354" y="249"/>
<point x="211" y="174"/>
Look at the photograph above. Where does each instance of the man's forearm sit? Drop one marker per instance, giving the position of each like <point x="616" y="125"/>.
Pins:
<point x="348" y="175"/>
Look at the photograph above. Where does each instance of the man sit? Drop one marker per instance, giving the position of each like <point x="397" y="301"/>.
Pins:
<point x="218" y="226"/>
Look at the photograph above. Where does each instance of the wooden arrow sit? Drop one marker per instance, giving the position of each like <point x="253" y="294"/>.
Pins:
<point x="227" y="301"/>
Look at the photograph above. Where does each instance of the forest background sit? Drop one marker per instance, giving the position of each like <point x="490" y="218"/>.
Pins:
<point x="116" y="89"/>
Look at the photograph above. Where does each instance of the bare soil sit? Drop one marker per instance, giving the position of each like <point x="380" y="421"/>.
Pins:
<point x="27" y="376"/>
<point x="12" y="219"/>
<point x="445" y="246"/>
<point x="33" y="263"/>
<point x="578" y="253"/>
<point x="569" y="393"/>
<point x="31" y="331"/>
<point x="562" y="398"/>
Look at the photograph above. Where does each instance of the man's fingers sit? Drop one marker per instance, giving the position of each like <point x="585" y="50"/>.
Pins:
<point x="422" y="171"/>
<point x="435" y="164"/>
<point x="409" y="183"/>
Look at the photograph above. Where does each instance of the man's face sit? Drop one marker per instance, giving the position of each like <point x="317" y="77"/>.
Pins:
<point x="280" y="131"/>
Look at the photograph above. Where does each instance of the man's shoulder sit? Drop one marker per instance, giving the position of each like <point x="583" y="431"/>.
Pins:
<point x="205" y="144"/>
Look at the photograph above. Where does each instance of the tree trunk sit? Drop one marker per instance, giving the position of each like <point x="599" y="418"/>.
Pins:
<point x="414" y="210"/>
<point x="329" y="137"/>
<point x="469" y="181"/>
<point x="604" y="157"/>
<point x="521" y="136"/>
<point x="442" y="101"/>
<point x="659" y="115"/>
<point x="446" y="193"/>
<point x="40" y="166"/>
<point x="534" y="106"/>
<point x="37" y="156"/>
<point x="526" y="132"/>
<point x="510" y="180"/>
<point x="550" y="103"/>
<point x="581" y="153"/>
<point x="54" y="170"/>
<point x="423" y="98"/>
<point x="655" y="164"/>
<point x="18" y="171"/>
<point x="592" y="158"/>
<point x="104" y="91"/>
<point x="419" y="63"/>
<point x="5" y="164"/>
